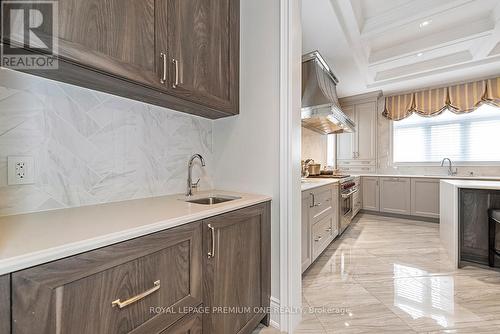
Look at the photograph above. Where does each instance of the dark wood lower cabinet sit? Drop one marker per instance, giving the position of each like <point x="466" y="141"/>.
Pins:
<point x="473" y="223"/>
<point x="76" y="295"/>
<point x="162" y="283"/>
<point x="237" y="270"/>
<point x="5" y="304"/>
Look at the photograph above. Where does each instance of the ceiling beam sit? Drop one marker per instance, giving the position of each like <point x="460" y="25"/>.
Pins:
<point x="410" y="12"/>
<point x="449" y="41"/>
<point x="349" y="24"/>
<point x="484" y="49"/>
<point x="437" y="71"/>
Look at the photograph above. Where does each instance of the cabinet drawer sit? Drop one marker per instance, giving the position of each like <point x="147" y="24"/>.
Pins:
<point x="321" y="203"/>
<point x="349" y="163"/>
<point x="190" y="324"/>
<point x="360" y="169"/>
<point x="323" y="233"/>
<point x="89" y="293"/>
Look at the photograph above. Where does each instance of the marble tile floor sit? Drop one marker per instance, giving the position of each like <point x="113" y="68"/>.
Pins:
<point x="390" y="275"/>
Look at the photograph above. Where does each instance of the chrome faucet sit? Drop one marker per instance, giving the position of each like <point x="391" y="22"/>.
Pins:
<point x="451" y="172"/>
<point x="190" y="184"/>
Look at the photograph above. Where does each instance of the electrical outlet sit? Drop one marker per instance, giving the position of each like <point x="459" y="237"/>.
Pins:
<point x="21" y="170"/>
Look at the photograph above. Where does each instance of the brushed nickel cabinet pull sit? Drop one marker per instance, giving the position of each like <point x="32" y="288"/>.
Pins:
<point x="211" y="253"/>
<point x="313" y="199"/>
<point x="118" y="303"/>
<point x="163" y="57"/>
<point x="318" y="239"/>
<point x="317" y="204"/>
<point x="176" y="76"/>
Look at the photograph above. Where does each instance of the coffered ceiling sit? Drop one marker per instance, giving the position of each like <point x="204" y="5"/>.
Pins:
<point x="396" y="45"/>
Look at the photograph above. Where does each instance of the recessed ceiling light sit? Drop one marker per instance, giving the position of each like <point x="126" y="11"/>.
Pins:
<point x="425" y="23"/>
<point x="420" y="54"/>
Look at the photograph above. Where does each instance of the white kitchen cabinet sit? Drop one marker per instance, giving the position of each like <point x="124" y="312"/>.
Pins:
<point x="306" y="231"/>
<point x="320" y="221"/>
<point x="366" y="131"/>
<point x="425" y="197"/>
<point x="395" y="195"/>
<point x="357" y="152"/>
<point x="370" y="193"/>
<point x="360" y="145"/>
<point x="345" y="141"/>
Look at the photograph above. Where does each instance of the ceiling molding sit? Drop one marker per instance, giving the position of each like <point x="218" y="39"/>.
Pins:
<point x="378" y="43"/>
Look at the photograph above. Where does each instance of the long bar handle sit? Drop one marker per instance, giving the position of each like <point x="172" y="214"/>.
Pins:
<point x="176" y="77"/>
<point x="118" y="303"/>
<point x="211" y="253"/>
<point x="163" y="57"/>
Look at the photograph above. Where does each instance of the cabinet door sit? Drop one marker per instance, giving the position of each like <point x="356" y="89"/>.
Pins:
<point x="236" y="269"/>
<point x="84" y="294"/>
<point x="203" y="43"/>
<point x="366" y="127"/>
<point x="370" y="193"/>
<point x="395" y="196"/>
<point x="425" y="197"/>
<point x="113" y="36"/>
<point x="4" y="304"/>
<point x="306" y="231"/>
<point x="346" y="141"/>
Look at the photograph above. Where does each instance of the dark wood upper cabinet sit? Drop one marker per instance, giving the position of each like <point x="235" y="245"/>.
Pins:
<point x="114" y="36"/>
<point x="203" y="45"/>
<point x="180" y="54"/>
<point x="5" y="304"/>
<point x="237" y="269"/>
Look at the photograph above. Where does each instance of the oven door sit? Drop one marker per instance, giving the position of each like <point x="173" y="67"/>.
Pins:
<point x="346" y="209"/>
<point x="346" y="205"/>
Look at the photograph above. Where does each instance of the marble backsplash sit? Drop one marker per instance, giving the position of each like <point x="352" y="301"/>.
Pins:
<point x="314" y="146"/>
<point x="90" y="147"/>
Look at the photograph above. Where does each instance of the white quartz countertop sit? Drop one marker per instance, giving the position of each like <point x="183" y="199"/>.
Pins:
<point x="308" y="184"/>
<point x="31" y="239"/>
<point x="455" y="177"/>
<point x="474" y="184"/>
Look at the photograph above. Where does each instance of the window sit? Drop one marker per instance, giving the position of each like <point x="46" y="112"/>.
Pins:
<point x="330" y="152"/>
<point x="473" y="137"/>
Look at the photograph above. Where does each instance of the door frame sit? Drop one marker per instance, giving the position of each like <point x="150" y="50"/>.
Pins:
<point x="290" y="153"/>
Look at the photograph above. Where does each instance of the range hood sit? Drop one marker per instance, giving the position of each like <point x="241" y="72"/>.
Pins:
<point x="321" y="110"/>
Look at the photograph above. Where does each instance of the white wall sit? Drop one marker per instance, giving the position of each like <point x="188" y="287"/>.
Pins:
<point x="91" y="147"/>
<point x="246" y="147"/>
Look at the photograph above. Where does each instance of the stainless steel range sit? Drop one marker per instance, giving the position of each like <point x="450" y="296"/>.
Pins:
<point x="347" y="189"/>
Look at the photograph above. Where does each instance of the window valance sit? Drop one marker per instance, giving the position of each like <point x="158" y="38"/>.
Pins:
<point x="462" y="98"/>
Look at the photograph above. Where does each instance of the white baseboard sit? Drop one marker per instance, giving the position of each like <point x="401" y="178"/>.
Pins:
<point x="275" y="313"/>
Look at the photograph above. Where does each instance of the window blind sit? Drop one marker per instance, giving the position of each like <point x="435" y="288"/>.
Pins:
<point x="472" y="137"/>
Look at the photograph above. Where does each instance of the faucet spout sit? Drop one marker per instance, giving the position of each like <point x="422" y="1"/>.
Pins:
<point x="190" y="184"/>
<point x="451" y="172"/>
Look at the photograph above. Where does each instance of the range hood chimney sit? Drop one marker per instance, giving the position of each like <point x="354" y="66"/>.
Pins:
<point x="321" y="110"/>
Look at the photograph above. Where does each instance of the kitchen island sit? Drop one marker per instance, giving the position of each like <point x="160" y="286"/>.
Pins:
<point x="464" y="218"/>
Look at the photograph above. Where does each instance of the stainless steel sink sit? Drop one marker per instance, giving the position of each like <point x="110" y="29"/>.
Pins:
<point x="210" y="200"/>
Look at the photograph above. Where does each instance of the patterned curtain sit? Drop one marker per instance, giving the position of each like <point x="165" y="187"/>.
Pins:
<point x="466" y="97"/>
<point x="462" y="98"/>
<point x="492" y="94"/>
